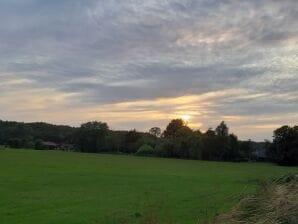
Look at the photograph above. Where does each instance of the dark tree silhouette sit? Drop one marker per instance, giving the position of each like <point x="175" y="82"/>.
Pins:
<point x="92" y="136"/>
<point x="222" y="129"/>
<point x="284" y="149"/>
<point x="132" y="141"/>
<point x="155" y="131"/>
<point x="173" y="127"/>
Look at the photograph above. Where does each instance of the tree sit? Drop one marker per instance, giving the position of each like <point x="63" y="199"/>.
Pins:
<point x="132" y="141"/>
<point x="195" y="150"/>
<point x="246" y="150"/>
<point x="173" y="127"/>
<point x="95" y="125"/>
<point x="218" y="146"/>
<point x="284" y="149"/>
<point x="210" y="145"/>
<point x="91" y="136"/>
<point x="114" y="141"/>
<point x="233" y="152"/>
<point x="155" y="131"/>
<point x="222" y="129"/>
<point x="179" y="140"/>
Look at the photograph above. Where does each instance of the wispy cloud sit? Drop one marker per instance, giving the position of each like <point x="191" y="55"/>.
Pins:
<point x="135" y="63"/>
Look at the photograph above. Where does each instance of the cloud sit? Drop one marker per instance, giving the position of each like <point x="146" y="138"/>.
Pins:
<point x="102" y="54"/>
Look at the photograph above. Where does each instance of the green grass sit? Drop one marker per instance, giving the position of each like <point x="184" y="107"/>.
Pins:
<point x="49" y="187"/>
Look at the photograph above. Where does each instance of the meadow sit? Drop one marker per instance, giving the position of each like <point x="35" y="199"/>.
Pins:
<point x="47" y="187"/>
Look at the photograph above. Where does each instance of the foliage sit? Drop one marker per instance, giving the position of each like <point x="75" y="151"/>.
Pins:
<point x="91" y="137"/>
<point x="173" y="127"/>
<point x="177" y="141"/>
<point x="284" y="149"/>
<point x="132" y="141"/>
<point x="222" y="130"/>
<point x="145" y="150"/>
<point x="28" y="135"/>
<point x="155" y="131"/>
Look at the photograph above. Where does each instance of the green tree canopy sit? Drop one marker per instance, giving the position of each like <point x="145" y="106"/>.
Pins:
<point x="173" y="128"/>
<point x="284" y="149"/>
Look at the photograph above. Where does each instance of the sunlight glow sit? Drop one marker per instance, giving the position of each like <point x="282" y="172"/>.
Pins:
<point x="186" y="117"/>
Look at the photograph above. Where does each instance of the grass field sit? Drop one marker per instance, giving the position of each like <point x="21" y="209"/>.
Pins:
<point x="49" y="187"/>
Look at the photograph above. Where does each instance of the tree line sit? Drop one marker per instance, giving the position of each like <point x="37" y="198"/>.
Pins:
<point x="176" y="141"/>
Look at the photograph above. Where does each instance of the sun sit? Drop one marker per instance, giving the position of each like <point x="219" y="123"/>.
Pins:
<point x="186" y="117"/>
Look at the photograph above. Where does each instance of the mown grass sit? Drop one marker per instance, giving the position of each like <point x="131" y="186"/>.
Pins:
<point x="48" y="187"/>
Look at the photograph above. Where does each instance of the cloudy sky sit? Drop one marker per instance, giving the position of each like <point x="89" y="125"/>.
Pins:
<point x="138" y="64"/>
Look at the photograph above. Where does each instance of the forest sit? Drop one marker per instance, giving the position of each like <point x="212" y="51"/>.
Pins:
<point x="176" y="141"/>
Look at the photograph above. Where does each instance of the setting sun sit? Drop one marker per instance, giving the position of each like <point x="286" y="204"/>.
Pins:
<point x="186" y="117"/>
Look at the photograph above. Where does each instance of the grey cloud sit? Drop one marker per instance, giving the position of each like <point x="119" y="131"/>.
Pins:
<point x="98" y="48"/>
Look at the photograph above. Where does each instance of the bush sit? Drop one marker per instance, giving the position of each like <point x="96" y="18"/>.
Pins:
<point x="145" y="150"/>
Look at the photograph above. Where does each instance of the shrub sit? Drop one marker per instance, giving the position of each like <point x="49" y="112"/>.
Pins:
<point x="145" y="150"/>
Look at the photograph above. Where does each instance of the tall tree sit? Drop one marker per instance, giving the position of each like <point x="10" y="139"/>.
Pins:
<point x="222" y="130"/>
<point x="91" y="136"/>
<point x="284" y="149"/>
<point x="131" y="141"/>
<point x="173" y="128"/>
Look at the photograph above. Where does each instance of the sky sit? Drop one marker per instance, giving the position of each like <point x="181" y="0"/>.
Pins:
<point x="139" y="64"/>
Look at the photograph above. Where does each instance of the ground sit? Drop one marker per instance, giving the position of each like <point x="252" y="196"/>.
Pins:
<point x="74" y="188"/>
